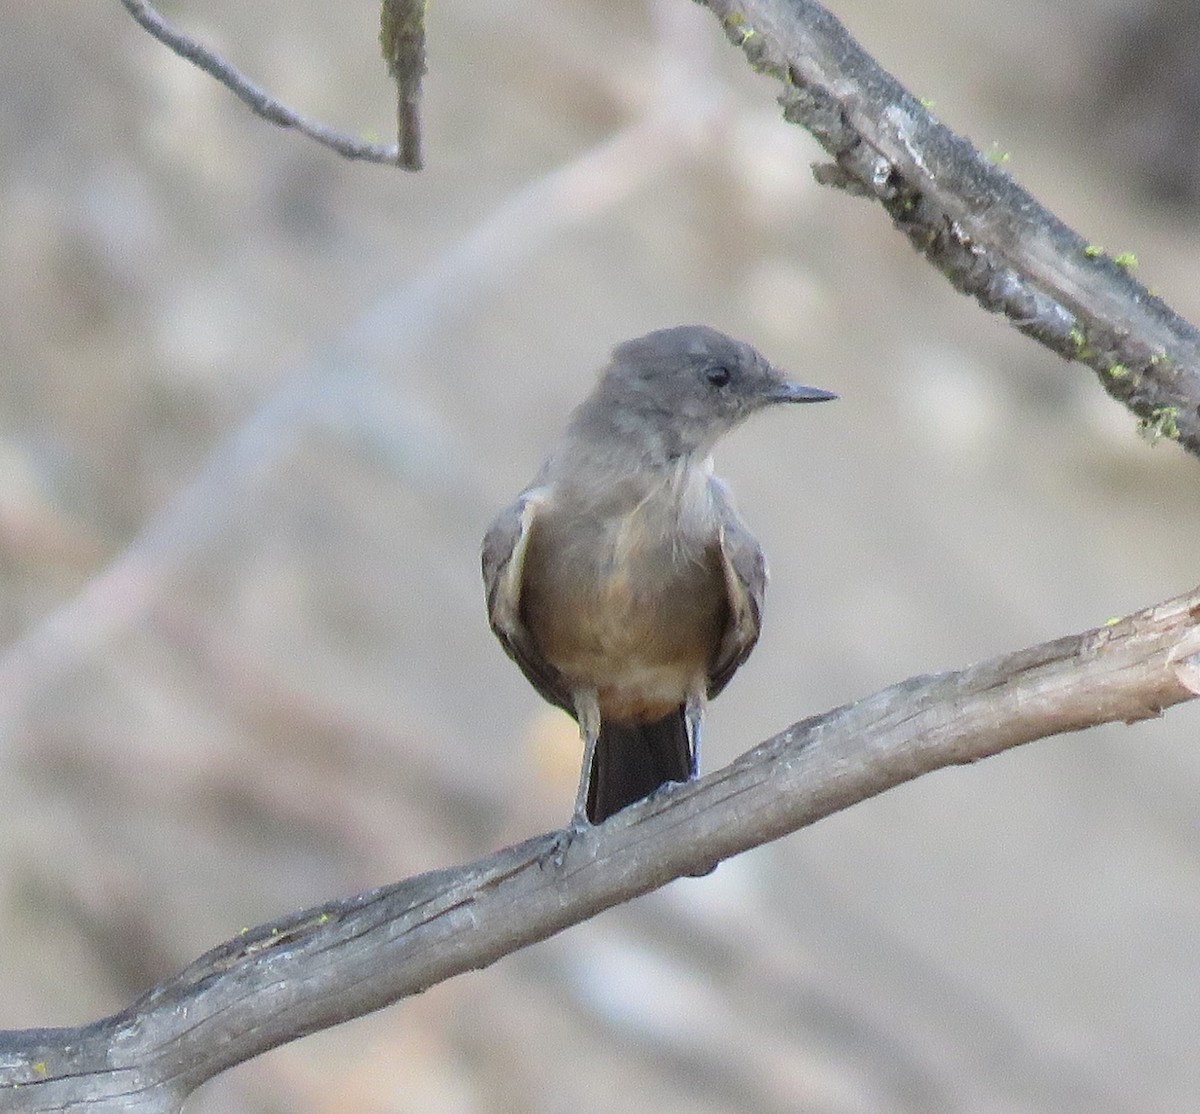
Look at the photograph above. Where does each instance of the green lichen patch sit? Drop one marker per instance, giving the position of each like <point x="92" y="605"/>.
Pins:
<point x="1159" y="423"/>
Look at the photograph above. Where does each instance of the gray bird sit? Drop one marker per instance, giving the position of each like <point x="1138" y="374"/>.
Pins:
<point x="622" y="581"/>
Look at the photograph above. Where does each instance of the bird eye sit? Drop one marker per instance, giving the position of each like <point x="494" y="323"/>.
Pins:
<point x="718" y="375"/>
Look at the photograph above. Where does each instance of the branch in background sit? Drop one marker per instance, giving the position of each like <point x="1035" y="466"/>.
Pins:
<point x="258" y="99"/>
<point x="402" y="39"/>
<point x="982" y="230"/>
<point x="986" y="234"/>
<point x="341" y="960"/>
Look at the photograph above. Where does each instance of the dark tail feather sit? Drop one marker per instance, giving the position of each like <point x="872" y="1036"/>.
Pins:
<point x="633" y="760"/>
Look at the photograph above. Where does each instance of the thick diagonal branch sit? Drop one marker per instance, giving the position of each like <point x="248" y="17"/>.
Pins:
<point x="983" y="231"/>
<point x="314" y="969"/>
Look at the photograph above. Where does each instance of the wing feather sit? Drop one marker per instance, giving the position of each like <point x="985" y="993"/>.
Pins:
<point x="504" y="549"/>
<point x="745" y="570"/>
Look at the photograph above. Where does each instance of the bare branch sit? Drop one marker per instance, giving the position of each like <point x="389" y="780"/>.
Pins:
<point x="316" y="968"/>
<point x="259" y="100"/>
<point x="402" y="38"/>
<point x="988" y="236"/>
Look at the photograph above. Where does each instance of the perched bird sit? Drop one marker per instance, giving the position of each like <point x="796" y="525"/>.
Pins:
<point x="622" y="581"/>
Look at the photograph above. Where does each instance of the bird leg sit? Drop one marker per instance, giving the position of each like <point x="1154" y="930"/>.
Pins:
<point x="693" y="715"/>
<point x="587" y="711"/>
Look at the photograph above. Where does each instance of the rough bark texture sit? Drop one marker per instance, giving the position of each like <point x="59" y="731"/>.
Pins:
<point x="341" y="960"/>
<point x="985" y="233"/>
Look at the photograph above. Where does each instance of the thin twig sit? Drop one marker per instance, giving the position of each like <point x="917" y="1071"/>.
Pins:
<point x="402" y="39"/>
<point x="258" y="99"/>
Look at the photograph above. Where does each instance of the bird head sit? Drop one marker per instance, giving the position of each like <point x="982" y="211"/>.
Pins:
<point x="683" y="388"/>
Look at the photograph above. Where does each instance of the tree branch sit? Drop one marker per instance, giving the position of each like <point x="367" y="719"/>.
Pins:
<point x="983" y="231"/>
<point x="314" y="969"/>
<point x="402" y="39"/>
<point x="986" y="234"/>
<point x="258" y="99"/>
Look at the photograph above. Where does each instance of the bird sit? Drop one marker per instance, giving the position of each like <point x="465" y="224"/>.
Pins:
<point x="622" y="581"/>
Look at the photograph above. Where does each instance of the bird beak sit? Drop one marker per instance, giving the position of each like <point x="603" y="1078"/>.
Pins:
<point x="787" y="391"/>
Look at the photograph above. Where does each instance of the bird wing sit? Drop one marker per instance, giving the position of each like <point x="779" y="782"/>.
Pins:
<point x="745" y="569"/>
<point x="504" y="549"/>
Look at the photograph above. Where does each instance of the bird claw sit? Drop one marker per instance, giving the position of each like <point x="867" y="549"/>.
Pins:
<point x="671" y="786"/>
<point x="560" y="841"/>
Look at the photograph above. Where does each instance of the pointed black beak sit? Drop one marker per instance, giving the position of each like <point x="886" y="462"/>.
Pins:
<point x="787" y="391"/>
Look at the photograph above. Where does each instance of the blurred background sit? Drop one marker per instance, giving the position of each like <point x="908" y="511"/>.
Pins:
<point x="258" y="405"/>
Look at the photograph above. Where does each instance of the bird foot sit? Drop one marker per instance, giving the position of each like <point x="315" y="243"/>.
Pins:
<point x="672" y="785"/>
<point x="560" y="841"/>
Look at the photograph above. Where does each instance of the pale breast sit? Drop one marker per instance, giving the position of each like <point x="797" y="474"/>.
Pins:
<point x="627" y="604"/>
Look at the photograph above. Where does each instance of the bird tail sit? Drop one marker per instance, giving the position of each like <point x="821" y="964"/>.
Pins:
<point x="632" y="760"/>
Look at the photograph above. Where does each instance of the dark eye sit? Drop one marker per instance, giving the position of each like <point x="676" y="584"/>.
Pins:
<point x="718" y="375"/>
